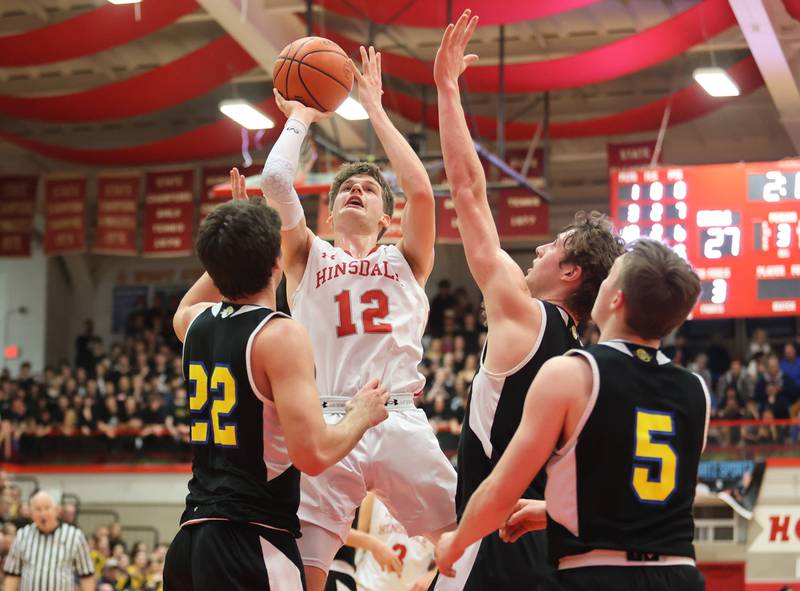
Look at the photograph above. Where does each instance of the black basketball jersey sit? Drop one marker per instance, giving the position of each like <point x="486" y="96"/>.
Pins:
<point x="241" y="469"/>
<point x="496" y="402"/>
<point x="626" y="479"/>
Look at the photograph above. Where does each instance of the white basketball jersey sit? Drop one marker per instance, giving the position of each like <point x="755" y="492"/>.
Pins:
<point x="415" y="553"/>
<point x="365" y="317"/>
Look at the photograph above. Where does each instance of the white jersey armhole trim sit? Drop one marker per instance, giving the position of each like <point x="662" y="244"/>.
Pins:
<point x="408" y="266"/>
<point x="708" y="408"/>
<point x="587" y="412"/>
<point x="248" y="351"/>
<point x="186" y="337"/>
<point x="527" y="358"/>
<point x="301" y="284"/>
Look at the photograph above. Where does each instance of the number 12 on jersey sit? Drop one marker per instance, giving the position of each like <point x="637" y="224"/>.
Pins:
<point x="650" y="453"/>
<point x="369" y="316"/>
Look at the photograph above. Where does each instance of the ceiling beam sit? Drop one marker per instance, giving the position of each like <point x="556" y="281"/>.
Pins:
<point x="263" y="33"/>
<point x="758" y="26"/>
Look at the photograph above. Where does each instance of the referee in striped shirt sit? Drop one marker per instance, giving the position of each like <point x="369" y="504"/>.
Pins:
<point x="47" y="555"/>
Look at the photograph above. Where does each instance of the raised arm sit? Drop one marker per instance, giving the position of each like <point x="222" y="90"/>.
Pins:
<point x="556" y="390"/>
<point x="277" y="183"/>
<point x="419" y="223"/>
<point x="313" y="445"/>
<point x="199" y="297"/>
<point x="499" y="278"/>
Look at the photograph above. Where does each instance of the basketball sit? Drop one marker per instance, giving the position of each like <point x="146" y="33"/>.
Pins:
<point x="314" y="71"/>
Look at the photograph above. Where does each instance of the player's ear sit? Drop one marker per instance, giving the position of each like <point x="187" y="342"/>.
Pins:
<point x="385" y="221"/>
<point x="618" y="300"/>
<point x="572" y="273"/>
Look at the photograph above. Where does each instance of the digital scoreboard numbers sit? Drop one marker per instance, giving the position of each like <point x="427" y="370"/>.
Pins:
<point x="738" y="224"/>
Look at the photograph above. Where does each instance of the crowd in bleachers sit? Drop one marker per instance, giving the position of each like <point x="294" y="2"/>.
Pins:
<point x="130" y="397"/>
<point x="119" y="565"/>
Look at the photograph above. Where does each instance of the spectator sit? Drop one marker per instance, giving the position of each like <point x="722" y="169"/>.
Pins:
<point x="443" y="300"/>
<point x="771" y="374"/>
<point x="700" y="367"/>
<point x="759" y="343"/>
<point x="790" y="366"/>
<point x="750" y="434"/>
<point x="112" y="575"/>
<point x="46" y="555"/>
<point x="85" y="347"/>
<point x="739" y="379"/>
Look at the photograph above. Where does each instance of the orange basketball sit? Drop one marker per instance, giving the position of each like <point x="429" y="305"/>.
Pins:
<point x="314" y="71"/>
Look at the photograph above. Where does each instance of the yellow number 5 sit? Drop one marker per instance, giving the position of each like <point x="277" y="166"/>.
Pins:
<point x="649" y="452"/>
<point x="221" y="379"/>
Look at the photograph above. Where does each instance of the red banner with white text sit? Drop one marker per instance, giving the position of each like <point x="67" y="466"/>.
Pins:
<point x="631" y="154"/>
<point x="446" y="221"/>
<point x="219" y="175"/>
<point x="17" y="207"/>
<point x="521" y="216"/>
<point x="65" y="215"/>
<point x="394" y="232"/>
<point x="168" y="213"/>
<point x="117" y="208"/>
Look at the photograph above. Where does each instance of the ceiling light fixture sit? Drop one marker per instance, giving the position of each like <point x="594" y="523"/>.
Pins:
<point x="352" y="110"/>
<point x="246" y="114"/>
<point x="716" y="82"/>
<point x="125" y="1"/>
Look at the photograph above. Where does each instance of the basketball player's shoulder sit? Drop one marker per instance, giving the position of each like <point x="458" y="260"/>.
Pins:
<point x="281" y="334"/>
<point x="565" y="377"/>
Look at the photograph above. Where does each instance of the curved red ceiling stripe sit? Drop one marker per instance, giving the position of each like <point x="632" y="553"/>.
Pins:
<point x="221" y="138"/>
<point x="434" y="14"/>
<point x="687" y="104"/>
<point x="607" y="62"/>
<point x="793" y="8"/>
<point x="92" y="31"/>
<point x="183" y="79"/>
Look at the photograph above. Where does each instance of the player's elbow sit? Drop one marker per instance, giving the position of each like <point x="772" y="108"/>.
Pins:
<point x="275" y="182"/>
<point x="309" y="459"/>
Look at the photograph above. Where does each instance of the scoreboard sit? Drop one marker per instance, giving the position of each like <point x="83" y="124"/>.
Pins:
<point x="737" y="224"/>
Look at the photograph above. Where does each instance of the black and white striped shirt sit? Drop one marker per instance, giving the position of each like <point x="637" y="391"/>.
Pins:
<point x="49" y="562"/>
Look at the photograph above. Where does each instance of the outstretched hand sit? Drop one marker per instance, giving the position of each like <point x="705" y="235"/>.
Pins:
<point x="238" y="188"/>
<point x="450" y="59"/>
<point x="370" y="85"/>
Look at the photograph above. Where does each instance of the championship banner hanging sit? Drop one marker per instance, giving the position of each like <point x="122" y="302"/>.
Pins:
<point x="117" y="208"/>
<point x="446" y="221"/>
<point x="521" y="216"/>
<point x="394" y="232"/>
<point x="168" y="213"/>
<point x="631" y="154"/>
<point x="65" y="215"/>
<point x="17" y="207"/>
<point x="214" y="176"/>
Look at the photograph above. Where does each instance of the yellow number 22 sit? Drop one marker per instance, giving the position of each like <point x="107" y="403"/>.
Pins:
<point x="221" y="378"/>
<point x="649" y="452"/>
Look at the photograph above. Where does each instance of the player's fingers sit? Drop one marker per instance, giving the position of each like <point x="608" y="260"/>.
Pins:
<point x="364" y="59"/>
<point x="470" y="59"/>
<point x="378" y="65"/>
<point x="356" y="71"/>
<point x="471" y="26"/>
<point x="448" y="33"/>
<point x="397" y="566"/>
<point x="461" y="25"/>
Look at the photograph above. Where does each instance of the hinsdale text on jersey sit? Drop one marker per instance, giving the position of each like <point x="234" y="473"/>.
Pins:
<point x="364" y="268"/>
